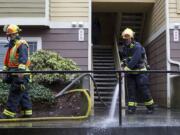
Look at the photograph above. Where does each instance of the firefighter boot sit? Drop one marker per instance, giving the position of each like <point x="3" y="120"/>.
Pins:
<point x="3" y="116"/>
<point x="131" y="110"/>
<point x="150" y="109"/>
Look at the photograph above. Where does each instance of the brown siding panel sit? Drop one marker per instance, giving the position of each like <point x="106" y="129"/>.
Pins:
<point x="63" y="41"/>
<point x="156" y="51"/>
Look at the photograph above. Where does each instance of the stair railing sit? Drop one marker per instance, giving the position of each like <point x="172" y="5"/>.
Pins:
<point x="118" y="67"/>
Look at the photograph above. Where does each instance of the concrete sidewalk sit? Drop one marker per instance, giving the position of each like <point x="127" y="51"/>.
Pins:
<point x="162" y="122"/>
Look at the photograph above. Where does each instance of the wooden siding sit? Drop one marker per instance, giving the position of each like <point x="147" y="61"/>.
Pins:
<point x="157" y="17"/>
<point x="22" y="8"/>
<point x="63" y="41"/>
<point x="69" y="10"/>
<point x="156" y="51"/>
<point x="174" y="11"/>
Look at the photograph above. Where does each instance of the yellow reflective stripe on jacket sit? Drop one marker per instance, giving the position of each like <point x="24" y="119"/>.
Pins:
<point x="151" y="102"/>
<point x="142" y="69"/>
<point x="132" y="103"/>
<point x="9" y="113"/>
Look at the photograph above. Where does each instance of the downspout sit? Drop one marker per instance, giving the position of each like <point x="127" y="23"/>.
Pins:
<point x="47" y="14"/>
<point x="90" y="51"/>
<point x="89" y="36"/>
<point x="169" y="60"/>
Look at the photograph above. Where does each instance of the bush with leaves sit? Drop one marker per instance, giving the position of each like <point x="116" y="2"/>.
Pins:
<point x="38" y="93"/>
<point x="41" y="94"/>
<point x="48" y="60"/>
<point x="4" y="90"/>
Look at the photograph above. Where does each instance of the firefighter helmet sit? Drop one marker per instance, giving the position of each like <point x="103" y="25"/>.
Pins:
<point x="128" y="33"/>
<point x="11" y="29"/>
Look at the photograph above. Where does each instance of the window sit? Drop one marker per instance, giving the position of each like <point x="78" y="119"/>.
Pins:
<point x="2" y="52"/>
<point x="35" y="44"/>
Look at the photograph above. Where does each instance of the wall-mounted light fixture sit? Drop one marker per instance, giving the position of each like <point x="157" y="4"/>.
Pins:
<point x="81" y="24"/>
<point x="74" y="24"/>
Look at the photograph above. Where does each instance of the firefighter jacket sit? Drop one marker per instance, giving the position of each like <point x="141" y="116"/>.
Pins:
<point x="134" y="56"/>
<point x="17" y="55"/>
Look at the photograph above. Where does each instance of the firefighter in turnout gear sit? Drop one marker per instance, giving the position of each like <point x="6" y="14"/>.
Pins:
<point x="16" y="59"/>
<point x="134" y="58"/>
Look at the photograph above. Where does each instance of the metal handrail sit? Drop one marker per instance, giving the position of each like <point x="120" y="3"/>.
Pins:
<point x="88" y="71"/>
<point x="77" y="79"/>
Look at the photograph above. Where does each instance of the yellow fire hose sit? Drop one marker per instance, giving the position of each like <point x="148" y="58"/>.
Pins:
<point x="84" y="91"/>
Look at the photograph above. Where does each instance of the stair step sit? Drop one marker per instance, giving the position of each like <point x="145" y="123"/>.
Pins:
<point x="102" y="51"/>
<point x="106" y="88"/>
<point x="103" y="94"/>
<point x="103" y="61"/>
<point x="103" y="57"/>
<point x="103" y="68"/>
<point x="104" y="64"/>
<point x="102" y="47"/>
<point x="98" y="104"/>
<point x="105" y="84"/>
<point x="105" y="79"/>
<point x="104" y="75"/>
<point x="97" y="74"/>
<point x="103" y="98"/>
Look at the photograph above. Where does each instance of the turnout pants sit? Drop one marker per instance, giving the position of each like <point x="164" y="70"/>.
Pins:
<point x="135" y="83"/>
<point x="18" y="97"/>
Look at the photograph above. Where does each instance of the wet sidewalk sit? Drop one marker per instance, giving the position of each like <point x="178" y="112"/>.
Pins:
<point x="162" y="122"/>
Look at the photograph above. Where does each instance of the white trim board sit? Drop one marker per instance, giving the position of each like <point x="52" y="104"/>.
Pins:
<point x="43" y="22"/>
<point x="24" y="21"/>
<point x="174" y="25"/>
<point x="68" y="24"/>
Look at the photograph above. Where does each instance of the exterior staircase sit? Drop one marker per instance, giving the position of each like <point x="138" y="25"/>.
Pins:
<point x="103" y="59"/>
<point x="134" y="21"/>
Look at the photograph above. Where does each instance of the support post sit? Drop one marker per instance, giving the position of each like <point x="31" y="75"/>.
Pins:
<point x="120" y="102"/>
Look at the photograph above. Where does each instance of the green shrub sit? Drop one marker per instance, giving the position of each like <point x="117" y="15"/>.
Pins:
<point x="38" y="93"/>
<point x="48" y="60"/>
<point x="4" y="90"/>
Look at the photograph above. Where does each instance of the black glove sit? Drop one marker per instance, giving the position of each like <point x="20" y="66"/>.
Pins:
<point x="20" y="87"/>
<point x="19" y="84"/>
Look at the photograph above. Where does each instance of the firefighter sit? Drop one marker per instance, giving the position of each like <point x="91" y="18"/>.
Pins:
<point x="134" y="58"/>
<point x="16" y="59"/>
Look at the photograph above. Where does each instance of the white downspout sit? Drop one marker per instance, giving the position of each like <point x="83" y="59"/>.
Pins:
<point x="169" y="60"/>
<point x="89" y="36"/>
<point x="47" y="14"/>
<point x="90" y="51"/>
